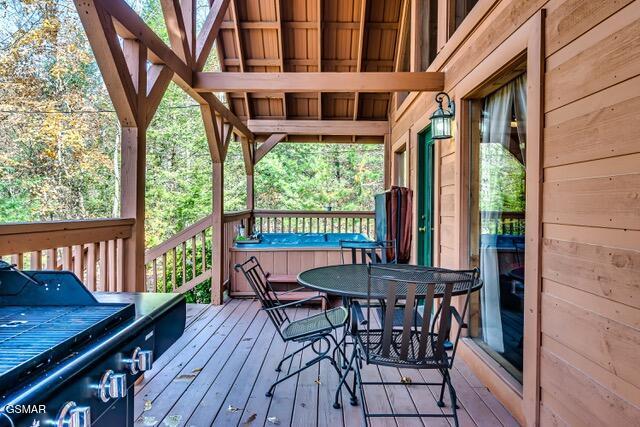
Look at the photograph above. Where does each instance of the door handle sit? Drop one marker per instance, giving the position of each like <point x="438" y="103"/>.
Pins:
<point x="422" y="229"/>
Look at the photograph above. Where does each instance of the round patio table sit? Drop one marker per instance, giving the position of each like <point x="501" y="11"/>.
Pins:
<point x="351" y="280"/>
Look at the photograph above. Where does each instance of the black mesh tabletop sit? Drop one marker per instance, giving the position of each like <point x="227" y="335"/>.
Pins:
<point x="350" y="280"/>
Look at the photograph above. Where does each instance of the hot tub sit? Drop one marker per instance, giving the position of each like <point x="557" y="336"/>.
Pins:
<point x="285" y="255"/>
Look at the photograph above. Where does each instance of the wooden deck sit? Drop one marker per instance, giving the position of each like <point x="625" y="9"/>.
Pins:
<point x="218" y="371"/>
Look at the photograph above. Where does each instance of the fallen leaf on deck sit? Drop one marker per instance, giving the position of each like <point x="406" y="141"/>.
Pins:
<point x="172" y="420"/>
<point x="150" y="421"/>
<point x="185" y="377"/>
<point x="405" y="380"/>
<point x="251" y="418"/>
<point x="317" y="381"/>
<point x="273" y="420"/>
<point x="147" y="405"/>
<point x="232" y="408"/>
<point x="196" y="370"/>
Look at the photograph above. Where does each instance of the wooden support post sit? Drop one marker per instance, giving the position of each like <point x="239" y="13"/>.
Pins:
<point x="217" y="234"/>
<point x="132" y="194"/>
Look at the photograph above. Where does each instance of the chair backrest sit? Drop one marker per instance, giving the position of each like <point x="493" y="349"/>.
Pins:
<point x="369" y="252"/>
<point x="259" y="282"/>
<point x="416" y="338"/>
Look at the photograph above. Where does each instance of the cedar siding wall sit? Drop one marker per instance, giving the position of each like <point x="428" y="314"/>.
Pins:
<point x="590" y="247"/>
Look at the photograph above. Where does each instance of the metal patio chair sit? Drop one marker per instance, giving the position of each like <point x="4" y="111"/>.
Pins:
<point x="370" y="252"/>
<point x="417" y="344"/>
<point x="313" y="331"/>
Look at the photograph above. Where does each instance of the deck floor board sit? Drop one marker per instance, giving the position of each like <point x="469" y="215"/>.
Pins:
<point x="217" y="373"/>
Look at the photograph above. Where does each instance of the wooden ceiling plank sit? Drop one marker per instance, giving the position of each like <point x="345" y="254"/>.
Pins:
<point x="268" y="145"/>
<point x="323" y="81"/>
<point x="209" y="32"/>
<point x="129" y="19"/>
<point x="158" y="79"/>
<point x="319" y="127"/>
<point x="176" y="29"/>
<point x="361" y="29"/>
<point x="238" y="41"/>
<point x="110" y="58"/>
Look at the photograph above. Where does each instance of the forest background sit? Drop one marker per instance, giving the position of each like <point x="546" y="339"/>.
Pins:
<point x="60" y="146"/>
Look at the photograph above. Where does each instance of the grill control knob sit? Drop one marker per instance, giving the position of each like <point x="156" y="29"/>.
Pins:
<point x="112" y="386"/>
<point x="141" y="360"/>
<point x="72" y="415"/>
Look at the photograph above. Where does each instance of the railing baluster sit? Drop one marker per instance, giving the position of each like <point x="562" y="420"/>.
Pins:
<point x="102" y="281"/>
<point x="111" y="265"/>
<point x="204" y="251"/>
<point x="36" y="260"/>
<point x="154" y="275"/>
<point x="119" y="265"/>
<point x="17" y="259"/>
<point x="78" y="267"/>
<point x="91" y="266"/>
<point x="66" y="258"/>
<point x="175" y="270"/>
<point x="184" y="262"/>
<point x="193" y="257"/>
<point x="163" y="288"/>
<point x="51" y="259"/>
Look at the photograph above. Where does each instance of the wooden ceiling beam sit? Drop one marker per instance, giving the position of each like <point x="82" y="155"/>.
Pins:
<point x="209" y="32"/>
<point x="281" y="51"/>
<point x="159" y="52"/>
<point x="319" y="82"/>
<point x="363" y="20"/>
<point x="268" y="145"/>
<point x="319" y="127"/>
<point x="240" y="50"/>
<point x="319" y="55"/>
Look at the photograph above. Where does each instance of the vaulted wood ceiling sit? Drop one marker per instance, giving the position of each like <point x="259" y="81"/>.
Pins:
<point x="310" y="36"/>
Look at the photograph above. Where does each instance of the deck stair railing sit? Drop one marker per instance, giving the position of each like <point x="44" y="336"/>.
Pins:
<point x="93" y="249"/>
<point x="184" y="261"/>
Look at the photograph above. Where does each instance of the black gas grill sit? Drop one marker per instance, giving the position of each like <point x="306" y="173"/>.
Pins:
<point x="68" y="357"/>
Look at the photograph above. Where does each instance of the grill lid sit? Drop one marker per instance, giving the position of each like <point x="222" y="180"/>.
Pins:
<point x="35" y="337"/>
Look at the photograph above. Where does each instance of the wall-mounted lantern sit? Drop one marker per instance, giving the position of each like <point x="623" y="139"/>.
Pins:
<point x="441" y="118"/>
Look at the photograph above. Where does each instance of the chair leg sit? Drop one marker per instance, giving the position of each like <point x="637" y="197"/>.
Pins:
<point x="343" y="381"/>
<point x="310" y="363"/>
<point x="441" y="400"/>
<point x="454" y="399"/>
<point x="289" y="356"/>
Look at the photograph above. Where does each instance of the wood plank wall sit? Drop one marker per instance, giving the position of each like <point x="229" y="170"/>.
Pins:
<point x="590" y="300"/>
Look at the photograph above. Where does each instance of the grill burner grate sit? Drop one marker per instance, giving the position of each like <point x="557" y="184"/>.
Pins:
<point x="33" y="335"/>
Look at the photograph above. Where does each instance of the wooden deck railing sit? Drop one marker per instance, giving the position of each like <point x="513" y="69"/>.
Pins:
<point x="270" y="221"/>
<point x="496" y="222"/>
<point x="184" y="260"/>
<point x="92" y="249"/>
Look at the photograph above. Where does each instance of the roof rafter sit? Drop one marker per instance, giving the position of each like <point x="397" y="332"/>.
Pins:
<point x="209" y="32"/>
<point x="176" y="28"/>
<point x="110" y="58"/>
<point x="321" y="81"/>
<point x="238" y="41"/>
<point x="159" y="52"/>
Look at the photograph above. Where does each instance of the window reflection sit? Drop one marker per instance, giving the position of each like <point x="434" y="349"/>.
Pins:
<point x="499" y="200"/>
